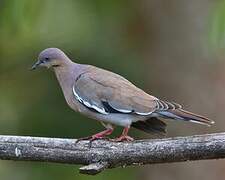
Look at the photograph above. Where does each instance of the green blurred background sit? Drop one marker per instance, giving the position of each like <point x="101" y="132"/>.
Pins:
<point x="171" y="49"/>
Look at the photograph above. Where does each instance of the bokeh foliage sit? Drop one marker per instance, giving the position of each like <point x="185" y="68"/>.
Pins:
<point x="217" y="26"/>
<point x="112" y="34"/>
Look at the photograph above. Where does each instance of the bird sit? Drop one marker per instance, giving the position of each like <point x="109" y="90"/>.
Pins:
<point x="111" y="99"/>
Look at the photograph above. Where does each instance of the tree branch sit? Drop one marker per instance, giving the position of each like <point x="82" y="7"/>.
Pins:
<point x="104" y="154"/>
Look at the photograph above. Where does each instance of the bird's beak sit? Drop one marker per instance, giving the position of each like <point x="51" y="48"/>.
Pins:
<point x="36" y="65"/>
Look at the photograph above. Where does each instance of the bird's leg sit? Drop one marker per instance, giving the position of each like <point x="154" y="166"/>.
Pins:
<point x="124" y="136"/>
<point x="99" y="135"/>
<point x="102" y="134"/>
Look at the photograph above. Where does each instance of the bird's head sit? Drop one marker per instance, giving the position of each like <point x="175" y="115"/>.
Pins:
<point x="50" y="57"/>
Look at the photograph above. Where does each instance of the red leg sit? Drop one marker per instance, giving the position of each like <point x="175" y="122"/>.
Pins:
<point x="99" y="135"/>
<point x="124" y="136"/>
<point x="102" y="134"/>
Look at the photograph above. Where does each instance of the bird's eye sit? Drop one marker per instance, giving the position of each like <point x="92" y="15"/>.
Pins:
<point x="46" y="58"/>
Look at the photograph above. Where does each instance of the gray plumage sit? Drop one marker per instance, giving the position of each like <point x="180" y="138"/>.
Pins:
<point x="109" y="97"/>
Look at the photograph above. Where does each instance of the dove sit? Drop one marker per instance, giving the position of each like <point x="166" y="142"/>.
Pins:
<point x="111" y="99"/>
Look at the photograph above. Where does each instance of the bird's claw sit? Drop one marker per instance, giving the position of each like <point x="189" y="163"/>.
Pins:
<point x="91" y="139"/>
<point x="83" y="139"/>
<point x="123" y="138"/>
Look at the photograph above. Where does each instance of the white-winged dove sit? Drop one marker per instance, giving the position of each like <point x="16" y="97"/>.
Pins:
<point x="110" y="98"/>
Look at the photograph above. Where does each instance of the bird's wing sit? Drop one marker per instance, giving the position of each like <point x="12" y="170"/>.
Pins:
<point x="107" y="92"/>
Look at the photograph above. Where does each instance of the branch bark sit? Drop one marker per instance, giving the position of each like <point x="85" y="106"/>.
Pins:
<point x="104" y="154"/>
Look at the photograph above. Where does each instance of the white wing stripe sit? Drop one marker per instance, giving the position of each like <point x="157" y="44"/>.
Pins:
<point x="102" y="110"/>
<point x="86" y="103"/>
<point x="76" y="95"/>
<point x="123" y="110"/>
<point x="143" y="114"/>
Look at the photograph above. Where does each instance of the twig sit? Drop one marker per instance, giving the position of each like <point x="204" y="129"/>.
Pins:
<point x="104" y="154"/>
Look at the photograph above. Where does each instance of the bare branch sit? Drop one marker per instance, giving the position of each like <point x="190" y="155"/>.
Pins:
<point x="104" y="154"/>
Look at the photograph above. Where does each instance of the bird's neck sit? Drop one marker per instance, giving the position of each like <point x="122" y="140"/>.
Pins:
<point x="66" y="76"/>
<point x="67" y="73"/>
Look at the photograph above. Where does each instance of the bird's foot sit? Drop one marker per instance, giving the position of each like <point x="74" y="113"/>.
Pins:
<point x="91" y="139"/>
<point x="97" y="136"/>
<point x="123" y="138"/>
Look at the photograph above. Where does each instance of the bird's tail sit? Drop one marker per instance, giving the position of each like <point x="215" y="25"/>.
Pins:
<point x="180" y="114"/>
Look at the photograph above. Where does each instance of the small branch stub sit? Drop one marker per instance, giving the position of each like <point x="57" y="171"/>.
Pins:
<point x="93" y="169"/>
<point x="105" y="154"/>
